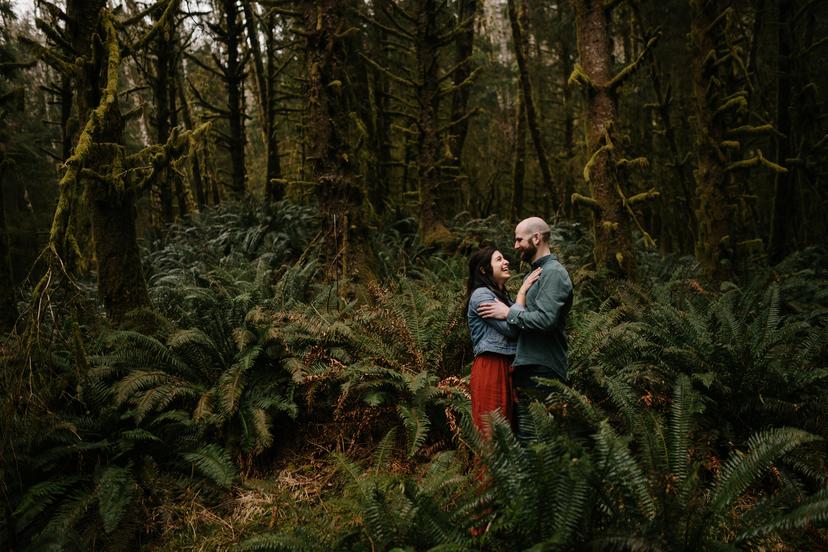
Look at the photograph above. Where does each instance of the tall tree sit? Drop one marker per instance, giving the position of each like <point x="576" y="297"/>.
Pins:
<point x="99" y="172"/>
<point x="230" y="69"/>
<point x="330" y="38"/>
<point x="612" y="211"/>
<point x="517" y="20"/>
<point x="723" y="128"/>
<point x="266" y="71"/>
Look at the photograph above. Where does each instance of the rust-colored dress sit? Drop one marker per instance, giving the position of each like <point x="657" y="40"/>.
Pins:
<point x="491" y="389"/>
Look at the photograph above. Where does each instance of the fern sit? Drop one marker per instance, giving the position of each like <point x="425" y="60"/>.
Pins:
<point x="740" y="471"/>
<point x="214" y="463"/>
<point x="115" y="491"/>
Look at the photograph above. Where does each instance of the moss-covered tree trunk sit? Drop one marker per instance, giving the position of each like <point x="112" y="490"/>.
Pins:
<point x="196" y="156"/>
<point x="714" y="247"/>
<point x="163" y="88"/>
<point x="613" y="243"/>
<point x="121" y="283"/>
<point x="341" y="199"/>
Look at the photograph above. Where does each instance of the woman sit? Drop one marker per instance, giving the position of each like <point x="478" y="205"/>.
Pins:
<point x="493" y="341"/>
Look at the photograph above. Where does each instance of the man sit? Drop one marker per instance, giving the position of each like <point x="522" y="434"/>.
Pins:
<point x="541" y="347"/>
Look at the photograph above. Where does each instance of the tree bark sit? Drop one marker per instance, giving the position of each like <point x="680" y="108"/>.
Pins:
<point x="121" y="283"/>
<point x="519" y="161"/>
<point x="8" y="303"/>
<point x="780" y="242"/>
<point x="347" y="255"/>
<point x="517" y="19"/>
<point x="265" y="81"/>
<point x="613" y="244"/>
<point x="234" y="81"/>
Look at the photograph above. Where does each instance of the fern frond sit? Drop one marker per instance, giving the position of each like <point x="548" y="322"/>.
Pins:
<point x="681" y="413"/>
<point x="742" y="470"/>
<point x="417" y="424"/>
<point x="214" y="463"/>
<point x="811" y="510"/>
<point x="115" y="490"/>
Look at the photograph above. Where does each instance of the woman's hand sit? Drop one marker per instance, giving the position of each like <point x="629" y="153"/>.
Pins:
<point x="527" y="283"/>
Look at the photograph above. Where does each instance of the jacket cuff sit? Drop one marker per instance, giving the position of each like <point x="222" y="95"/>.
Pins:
<point x="514" y="313"/>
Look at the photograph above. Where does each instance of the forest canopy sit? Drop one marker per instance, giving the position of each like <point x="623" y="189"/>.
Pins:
<point x="235" y="237"/>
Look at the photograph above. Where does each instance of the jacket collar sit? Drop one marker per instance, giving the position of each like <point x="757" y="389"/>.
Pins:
<point x="542" y="260"/>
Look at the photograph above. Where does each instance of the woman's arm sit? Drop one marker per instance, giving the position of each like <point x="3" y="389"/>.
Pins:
<point x="484" y="296"/>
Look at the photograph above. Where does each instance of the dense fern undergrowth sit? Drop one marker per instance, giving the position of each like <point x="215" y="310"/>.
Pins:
<point x="255" y="409"/>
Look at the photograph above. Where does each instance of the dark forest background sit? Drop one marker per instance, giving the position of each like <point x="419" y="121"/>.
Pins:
<point x="233" y="238"/>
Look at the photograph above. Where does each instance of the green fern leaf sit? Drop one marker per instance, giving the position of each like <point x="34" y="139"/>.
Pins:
<point x="740" y="471"/>
<point x="115" y="491"/>
<point x="214" y="463"/>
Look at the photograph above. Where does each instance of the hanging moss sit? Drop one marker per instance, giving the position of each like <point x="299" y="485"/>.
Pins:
<point x="756" y="161"/>
<point x="578" y="199"/>
<point x="606" y="148"/>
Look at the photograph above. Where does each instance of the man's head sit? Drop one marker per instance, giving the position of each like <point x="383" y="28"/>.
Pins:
<point x="532" y="239"/>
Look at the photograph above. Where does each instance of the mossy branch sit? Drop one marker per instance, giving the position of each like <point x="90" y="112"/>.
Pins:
<point x="755" y="161"/>
<point x="753" y="130"/>
<point x="738" y="102"/>
<point x="579" y="77"/>
<point x="387" y="72"/>
<point x="630" y="68"/>
<point x="638" y="162"/>
<point x="61" y="64"/>
<point x="166" y="17"/>
<point x="466" y="82"/>
<point x="585" y="201"/>
<point x="652" y="193"/>
<point x="606" y="148"/>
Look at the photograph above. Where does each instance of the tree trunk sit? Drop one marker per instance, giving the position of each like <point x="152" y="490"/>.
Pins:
<point x="466" y="15"/>
<point x="519" y="162"/>
<point x="429" y="159"/>
<point x="347" y="254"/>
<point x="197" y="153"/>
<point x="121" y="283"/>
<point x="8" y="303"/>
<point x="164" y="61"/>
<point x="613" y="245"/>
<point x="784" y="216"/>
<point x="265" y="81"/>
<point x="714" y="244"/>
<point x="517" y="19"/>
<point x="234" y="75"/>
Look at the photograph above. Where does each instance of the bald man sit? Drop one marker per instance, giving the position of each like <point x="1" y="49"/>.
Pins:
<point x="541" y="347"/>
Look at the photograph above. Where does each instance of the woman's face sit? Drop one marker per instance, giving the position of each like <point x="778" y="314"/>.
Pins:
<point x="500" y="268"/>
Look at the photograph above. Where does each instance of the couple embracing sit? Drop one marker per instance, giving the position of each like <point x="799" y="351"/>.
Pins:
<point x="516" y="341"/>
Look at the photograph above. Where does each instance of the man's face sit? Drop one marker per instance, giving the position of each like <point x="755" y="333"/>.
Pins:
<point x="526" y="243"/>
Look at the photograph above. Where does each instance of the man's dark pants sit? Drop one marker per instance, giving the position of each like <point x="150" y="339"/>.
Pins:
<point x="528" y="390"/>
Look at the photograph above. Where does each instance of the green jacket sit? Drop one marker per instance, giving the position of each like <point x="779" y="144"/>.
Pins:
<point x="542" y="323"/>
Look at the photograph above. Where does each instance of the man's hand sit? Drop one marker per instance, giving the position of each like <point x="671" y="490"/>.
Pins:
<point x="496" y="310"/>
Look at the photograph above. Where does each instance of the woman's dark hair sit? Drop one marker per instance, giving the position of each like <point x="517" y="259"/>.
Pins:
<point x="480" y="275"/>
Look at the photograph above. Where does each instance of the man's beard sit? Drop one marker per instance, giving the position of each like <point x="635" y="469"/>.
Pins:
<point x="527" y="254"/>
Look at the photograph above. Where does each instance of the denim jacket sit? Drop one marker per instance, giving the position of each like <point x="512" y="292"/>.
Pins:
<point x="489" y="335"/>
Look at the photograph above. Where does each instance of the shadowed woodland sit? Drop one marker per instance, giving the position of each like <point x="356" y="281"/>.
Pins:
<point x="234" y="239"/>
